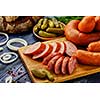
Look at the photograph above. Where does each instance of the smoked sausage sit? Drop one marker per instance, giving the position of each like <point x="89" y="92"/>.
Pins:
<point x="87" y="24"/>
<point x="74" y="35"/>
<point x="64" y="65"/>
<point x="97" y="20"/>
<point x="52" y="62"/>
<point x="56" y="46"/>
<point x="72" y="64"/>
<point x="49" y="57"/>
<point x="58" y="65"/>
<point x="88" y="58"/>
<point x="62" y="48"/>
<point x="70" y="48"/>
<point x="94" y="46"/>
<point x="45" y="52"/>
<point x="35" y="48"/>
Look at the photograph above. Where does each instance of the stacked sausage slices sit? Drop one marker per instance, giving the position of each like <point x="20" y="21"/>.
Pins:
<point x="58" y="56"/>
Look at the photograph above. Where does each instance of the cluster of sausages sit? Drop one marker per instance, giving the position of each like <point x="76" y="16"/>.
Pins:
<point x="83" y="32"/>
<point x="62" y="57"/>
<point x="91" y="56"/>
<point x="58" y="56"/>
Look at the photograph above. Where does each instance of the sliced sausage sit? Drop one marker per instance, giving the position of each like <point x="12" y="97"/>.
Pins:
<point x="94" y="46"/>
<point x="70" y="48"/>
<point x="56" y="46"/>
<point x="72" y="64"/>
<point x="87" y="24"/>
<point x="43" y="54"/>
<point x="88" y="58"/>
<point x="49" y="57"/>
<point x="64" y="65"/>
<point x="62" y="48"/>
<point x="58" y="64"/>
<point x="35" y="48"/>
<point x="52" y="62"/>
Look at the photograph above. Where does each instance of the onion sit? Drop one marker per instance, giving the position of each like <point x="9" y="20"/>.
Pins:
<point x="6" y="57"/>
<point x="1" y="48"/>
<point x="2" y="43"/>
<point x="8" y="79"/>
<point x="18" y="40"/>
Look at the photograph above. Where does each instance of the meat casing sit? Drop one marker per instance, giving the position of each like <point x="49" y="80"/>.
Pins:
<point x="88" y="58"/>
<point x="97" y="20"/>
<point x="74" y="35"/>
<point x="94" y="46"/>
<point x="87" y="24"/>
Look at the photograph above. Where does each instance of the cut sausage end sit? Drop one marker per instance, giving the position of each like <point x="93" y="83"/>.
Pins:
<point x="56" y="46"/>
<point x="72" y="65"/>
<point x="52" y="62"/>
<point x="35" y="48"/>
<point x="46" y="52"/>
<point x="58" y="65"/>
<point x="64" y="65"/>
<point x="62" y="48"/>
<point x="70" y="48"/>
<point x="49" y="57"/>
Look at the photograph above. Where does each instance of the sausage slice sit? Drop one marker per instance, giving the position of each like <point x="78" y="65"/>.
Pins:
<point x="35" y="48"/>
<point x="56" y="46"/>
<point x="70" y="48"/>
<point x="64" y="65"/>
<point x="49" y="57"/>
<point x="62" y="48"/>
<point x="57" y="67"/>
<point x="46" y="52"/>
<point x="52" y="62"/>
<point x="72" y="64"/>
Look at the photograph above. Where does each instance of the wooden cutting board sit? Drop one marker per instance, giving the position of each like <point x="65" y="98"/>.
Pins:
<point x="81" y="70"/>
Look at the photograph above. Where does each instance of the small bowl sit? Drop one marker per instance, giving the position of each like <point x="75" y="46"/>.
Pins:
<point x="45" y="39"/>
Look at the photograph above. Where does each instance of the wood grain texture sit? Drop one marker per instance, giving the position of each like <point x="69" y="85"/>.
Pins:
<point x="81" y="70"/>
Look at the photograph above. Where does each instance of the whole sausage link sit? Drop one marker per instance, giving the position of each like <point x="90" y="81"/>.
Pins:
<point x="88" y="58"/>
<point x="94" y="46"/>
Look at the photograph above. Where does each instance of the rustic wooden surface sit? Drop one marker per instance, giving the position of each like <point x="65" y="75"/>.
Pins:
<point x="16" y="69"/>
<point x="81" y="70"/>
